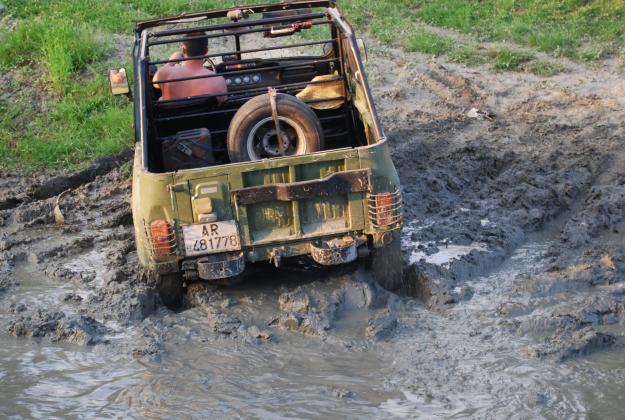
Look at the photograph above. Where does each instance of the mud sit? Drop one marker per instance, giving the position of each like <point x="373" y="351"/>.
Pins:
<point x="513" y="250"/>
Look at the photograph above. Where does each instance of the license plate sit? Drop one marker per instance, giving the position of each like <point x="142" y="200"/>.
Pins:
<point x="209" y="238"/>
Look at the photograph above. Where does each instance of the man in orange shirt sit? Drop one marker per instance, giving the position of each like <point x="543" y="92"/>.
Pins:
<point x="189" y="68"/>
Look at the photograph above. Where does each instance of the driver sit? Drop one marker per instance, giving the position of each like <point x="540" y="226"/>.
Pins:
<point x="189" y="68"/>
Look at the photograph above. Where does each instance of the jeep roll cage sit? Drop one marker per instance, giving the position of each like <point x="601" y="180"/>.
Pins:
<point x="153" y="117"/>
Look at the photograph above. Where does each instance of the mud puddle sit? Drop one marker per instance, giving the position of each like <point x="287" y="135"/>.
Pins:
<point x="200" y="363"/>
<point x="231" y="355"/>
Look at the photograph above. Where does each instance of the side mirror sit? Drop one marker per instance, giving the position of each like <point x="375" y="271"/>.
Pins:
<point x="363" y="49"/>
<point x="118" y="82"/>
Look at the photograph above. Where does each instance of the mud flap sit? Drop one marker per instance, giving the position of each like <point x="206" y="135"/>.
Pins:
<point x="386" y="264"/>
<point x="169" y="288"/>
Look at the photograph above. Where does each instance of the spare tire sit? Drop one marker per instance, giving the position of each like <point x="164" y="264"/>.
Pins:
<point x="252" y="133"/>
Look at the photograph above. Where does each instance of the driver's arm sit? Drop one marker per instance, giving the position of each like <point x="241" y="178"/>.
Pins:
<point x="161" y="74"/>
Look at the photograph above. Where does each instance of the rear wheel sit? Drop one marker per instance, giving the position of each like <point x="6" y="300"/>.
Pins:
<point x="169" y="288"/>
<point x="386" y="263"/>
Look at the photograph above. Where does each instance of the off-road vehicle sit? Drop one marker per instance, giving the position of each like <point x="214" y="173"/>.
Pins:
<point x="292" y="162"/>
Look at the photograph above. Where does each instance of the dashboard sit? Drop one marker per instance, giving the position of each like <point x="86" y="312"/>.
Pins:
<point x="243" y="80"/>
<point x="252" y="80"/>
<point x="252" y="74"/>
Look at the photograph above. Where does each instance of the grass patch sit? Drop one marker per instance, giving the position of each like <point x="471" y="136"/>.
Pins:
<point x="63" y="47"/>
<point x="60" y="113"/>
<point x="84" y="124"/>
<point x="559" y="27"/>
<point x="543" y="68"/>
<point x="428" y="43"/>
<point x="468" y="55"/>
<point x="508" y="59"/>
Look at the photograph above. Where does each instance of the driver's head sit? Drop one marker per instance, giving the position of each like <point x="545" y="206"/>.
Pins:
<point x="194" y="47"/>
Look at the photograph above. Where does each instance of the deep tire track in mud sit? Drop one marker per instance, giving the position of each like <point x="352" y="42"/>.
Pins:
<point x="513" y="245"/>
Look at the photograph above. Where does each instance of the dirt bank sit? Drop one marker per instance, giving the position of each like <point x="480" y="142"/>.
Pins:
<point x="513" y="245"/>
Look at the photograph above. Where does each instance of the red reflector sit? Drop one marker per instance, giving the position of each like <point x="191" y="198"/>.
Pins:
<point x="161" y="237"/>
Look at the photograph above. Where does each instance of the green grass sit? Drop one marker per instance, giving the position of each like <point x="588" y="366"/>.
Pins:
<point x="507" y="59"/>
<point x="56" y="53"/>
<point x="84" y="124"/>
<point x="556" y="26"/>
<point x="578" y="29"/>
<point x="467" y="54"/>
<point x="543" y="68"/>
<point x="581" y="29"/>
<point x="60" y="114"/>
<point x="60" y="45"/>
<point x="428" y="43"/>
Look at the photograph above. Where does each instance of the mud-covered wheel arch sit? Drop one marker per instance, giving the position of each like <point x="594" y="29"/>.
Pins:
<point x="386" y="264"/>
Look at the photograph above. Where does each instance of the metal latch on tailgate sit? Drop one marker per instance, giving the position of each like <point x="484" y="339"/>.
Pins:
<point x="337" y="183"/>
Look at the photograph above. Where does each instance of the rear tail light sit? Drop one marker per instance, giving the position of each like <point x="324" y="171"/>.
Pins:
<point x="162" y="237"/>
<point x="384" y="205"/>
<point x="385" y="210"/>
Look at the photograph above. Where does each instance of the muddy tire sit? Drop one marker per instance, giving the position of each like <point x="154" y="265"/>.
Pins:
<point x="170" y="289"/>
<point x="252" y="134"/>
<point x="386" y="264"/>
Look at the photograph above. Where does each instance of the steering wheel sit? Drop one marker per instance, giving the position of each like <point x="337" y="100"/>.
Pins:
<point x="209" y="64"/>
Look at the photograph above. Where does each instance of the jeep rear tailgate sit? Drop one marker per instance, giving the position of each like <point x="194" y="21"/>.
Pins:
<point x="282" y="199"/>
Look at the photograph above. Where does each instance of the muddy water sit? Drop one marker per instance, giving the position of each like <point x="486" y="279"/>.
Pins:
<point x="455" y="363"/>
<point x="295" y="375"/>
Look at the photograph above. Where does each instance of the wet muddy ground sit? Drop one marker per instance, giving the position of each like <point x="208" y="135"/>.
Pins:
<point x="513" y="249"/>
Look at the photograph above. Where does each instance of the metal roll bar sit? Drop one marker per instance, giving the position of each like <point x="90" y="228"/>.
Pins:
<point x="220" y="13"/>
<point x="219" y="54"/>
<point x="240" y="24"/>
<point x="221" y="34"/>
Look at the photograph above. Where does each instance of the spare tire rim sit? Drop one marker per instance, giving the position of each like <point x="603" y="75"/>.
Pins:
<point x="262" y="142"/>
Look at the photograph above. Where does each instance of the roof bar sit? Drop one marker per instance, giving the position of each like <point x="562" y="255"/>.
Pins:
<point x="240" y="24"/>
<point x="271" y="7"/>
<point x="199" y="57"/>
<point x="220" y="34"/>
<point x="255" y="70"/>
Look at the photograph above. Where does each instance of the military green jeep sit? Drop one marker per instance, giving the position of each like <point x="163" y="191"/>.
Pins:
<point x="290" y="162"/>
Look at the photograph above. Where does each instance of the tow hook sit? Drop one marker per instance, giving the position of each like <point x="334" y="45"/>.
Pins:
<point x="275" y="257"/>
